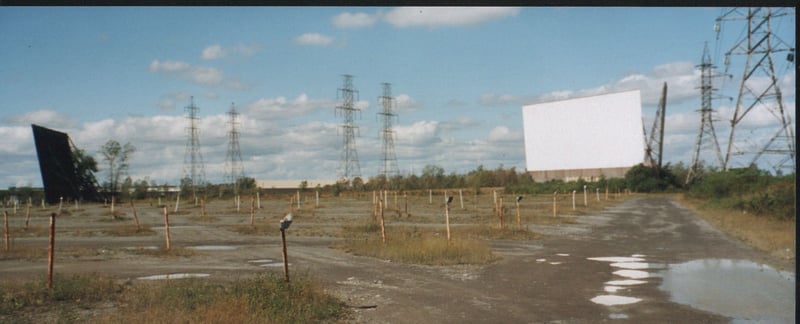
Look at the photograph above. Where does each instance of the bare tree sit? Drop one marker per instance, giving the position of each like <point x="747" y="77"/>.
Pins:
<point x="117" y="157"/>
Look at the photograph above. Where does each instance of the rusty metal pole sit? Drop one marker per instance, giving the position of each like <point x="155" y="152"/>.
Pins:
<point x="447" y="219"/>
<point x="5" y="229"/>
<point x="285" y="257"/>
<point x="383" y="223"/>
<point x="135" y="217"/>
<point x="519" y="220"/>
<point x="51" y="251"/>
<point x="166" y="227"/>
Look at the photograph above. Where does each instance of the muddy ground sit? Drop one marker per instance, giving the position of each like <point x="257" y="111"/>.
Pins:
<point x="551" y="280"/>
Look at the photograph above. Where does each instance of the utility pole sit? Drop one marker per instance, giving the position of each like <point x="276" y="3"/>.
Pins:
<point x="349" y="168"/>
<point x="389" y="167"/>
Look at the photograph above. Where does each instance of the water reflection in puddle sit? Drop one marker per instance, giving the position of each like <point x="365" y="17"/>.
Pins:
<point x="741" y="289"/>
<point x="175" y="276"/>
<point x="213" y="248"/>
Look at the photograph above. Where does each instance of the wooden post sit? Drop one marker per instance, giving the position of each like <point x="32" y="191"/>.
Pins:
<point x="317" y="202"/>
<point x="27" y="213"/>
<point x="383" y="225"/>
<point x="166" y="227"/>
<point x="585" y="199"/>
<point x="252" y="211"/>
<point x="60" y="204"/>
<point x="500" y="208"/>
<point x="606" y="192"/>
<point x="135" y="217"/>
<point x="285" y="257"/>
<point x="258" y="199"/>
<point x="573" y="199"/>
<point x="430" y="196"/>
<point x="597" y="190"/>
<point x="519" y="219"/>
<point x="238" y="203"/>
<point x="405" y="195"/>
<point x="298" y="199"/>
<point x="555" y="206"/>
<point x="395" y="201"/>
<point x="461" y="198"/>
<point x="447" y="219"/>
<point x="112" y="207"/>
<point x="177" y="202"/>
<point x="51" y="250"/>
<point x="5" y="230"/>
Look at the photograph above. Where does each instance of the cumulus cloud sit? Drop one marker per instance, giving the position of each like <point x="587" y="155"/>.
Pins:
<point x="355" y="20"/>
<point x="282" y="108"/>
<point x="445" y="16"/>
<point x="313" y="39"/>
<point x="44" y="117"/>
<point x="421" y="132"/>
<point x="407" y="104"/>
<point x="504" y="134"/>
<point x="216" y="51"/>
<point x="207" y="76"/>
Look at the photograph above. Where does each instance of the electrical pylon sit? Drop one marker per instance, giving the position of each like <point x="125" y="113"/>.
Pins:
<point x="234" y="168"/>
<point x="706" y="132"/>
<point x="654" y="142"/>
<point x="349" y="168"/>
<point x="193" y="158"/>
<point x="758" y="45"/>
<point x="389" y="167"/>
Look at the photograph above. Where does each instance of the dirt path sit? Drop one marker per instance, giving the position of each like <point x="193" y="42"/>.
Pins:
<point x="546" y="281"/>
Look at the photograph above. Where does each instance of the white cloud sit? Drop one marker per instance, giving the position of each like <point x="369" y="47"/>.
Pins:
<point x="213" y="52"/>
<point x="406" y="104"/>
<point x="207" y="76"/>
<point x="44" y="117"/>
<point x="445" y="16"/>
<point x="282" y="108"/>
<point x="216" y="51"/>
<point x="504" y="134"/>
<point x="421" y="132"/>
<point x="313" y="39"/>
<point x="17" y="140"/>
<point x="355" y="20"/>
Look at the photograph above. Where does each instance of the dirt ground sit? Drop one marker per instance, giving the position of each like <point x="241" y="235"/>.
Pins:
<point x="541" y="281"/>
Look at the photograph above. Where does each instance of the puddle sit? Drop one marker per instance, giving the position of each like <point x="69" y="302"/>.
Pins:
<point x="629" y="282"/>
<point x="617" y="316"/>
<point x="633" y="274"/>
<point x="741" y="289"/>
<point x="613" y="289"/>
<point x="131" y="248"/>
<point x="634" y="265"/>
<point x="175" y="276"/>
<point x="213" y="248"/>
<point x="555" y="263"/>
<point x="617" y="259"/>
<point x="562" y="254"/>
<point x="273" y="265"/>
<point x="611" y="300"/>
<point x="261" y="261"/>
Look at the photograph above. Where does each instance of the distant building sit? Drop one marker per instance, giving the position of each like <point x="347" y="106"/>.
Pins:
<point x="292" y="184"/>
<point x="584" y="138"/>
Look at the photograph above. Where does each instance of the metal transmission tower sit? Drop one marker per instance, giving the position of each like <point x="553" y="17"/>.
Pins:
<point x="389" y="167"/>
<point x="234" y="169"/>
<point x="193" y="158"/>
<point x="657" y="129"/>
<point x="706" y="132"/>
<point x="349" y="168"/>
<point x="759" y="45"/>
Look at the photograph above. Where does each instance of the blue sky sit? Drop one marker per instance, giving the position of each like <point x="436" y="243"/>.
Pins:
<point x="460" y="77"/>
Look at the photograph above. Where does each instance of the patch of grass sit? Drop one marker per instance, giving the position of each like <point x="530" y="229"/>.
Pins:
<point x="416" y="246"/>
<point x="773" y="235"/>
<point x="203" y="218"/>
<point x="257" y="229"/>
<point x="129" y="230"/>
<point x="173" y="252"/>
<point x="496" y="233"/>
<point x="76" y="290"/>
<point x="263" y="299"/>
<point x="24" y="253"/>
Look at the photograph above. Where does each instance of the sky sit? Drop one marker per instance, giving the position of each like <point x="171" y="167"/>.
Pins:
<point x="459" y="76"/>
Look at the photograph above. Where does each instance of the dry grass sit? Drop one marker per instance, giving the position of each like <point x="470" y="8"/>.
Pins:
<point x="776" y="237"/>
<point x="263" y="299"/>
